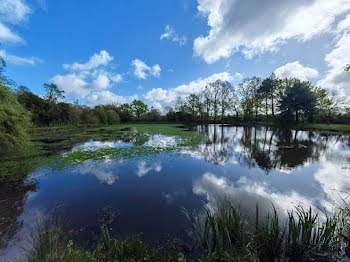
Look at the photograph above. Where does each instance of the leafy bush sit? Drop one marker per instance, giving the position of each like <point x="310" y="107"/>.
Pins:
<point x="14" y="121"/>
<point x="112" y="117"/>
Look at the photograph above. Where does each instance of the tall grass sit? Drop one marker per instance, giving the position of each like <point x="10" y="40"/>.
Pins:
<point x="50" y="244"/>
<point x="226" y="235"/>
<point x="223" y="234"/>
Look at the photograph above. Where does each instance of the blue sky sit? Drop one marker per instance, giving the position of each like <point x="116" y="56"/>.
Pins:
<point x="115" y="51"/>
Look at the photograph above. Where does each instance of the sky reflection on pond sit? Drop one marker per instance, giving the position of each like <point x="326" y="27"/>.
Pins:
<point x="248" y="166"/>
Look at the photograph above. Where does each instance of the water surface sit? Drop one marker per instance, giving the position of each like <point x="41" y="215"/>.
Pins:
<point x="145" y="191"/>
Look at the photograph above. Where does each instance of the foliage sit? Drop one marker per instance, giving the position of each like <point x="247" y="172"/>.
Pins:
<point x="51" y="244"/>
<point x="299" y="99"/>
<point x="139" y="107"/>
<point x="14" y="121"/>
<point x="112" y="117"/>
<point x="154" y="115"/>
<point x="53" y="93"/>
<point x="226" y="235"/>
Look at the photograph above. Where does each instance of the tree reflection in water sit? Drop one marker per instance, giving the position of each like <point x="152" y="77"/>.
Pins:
<point x="266" y="147"/>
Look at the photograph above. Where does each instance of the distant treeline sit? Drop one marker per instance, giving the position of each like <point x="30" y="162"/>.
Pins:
<point x="254" y="99"/>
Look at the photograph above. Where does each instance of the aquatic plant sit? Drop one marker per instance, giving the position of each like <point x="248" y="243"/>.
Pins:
<point x="225" y="235"/>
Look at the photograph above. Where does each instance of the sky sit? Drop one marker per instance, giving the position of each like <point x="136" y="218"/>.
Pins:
<point x="158" y="50"/>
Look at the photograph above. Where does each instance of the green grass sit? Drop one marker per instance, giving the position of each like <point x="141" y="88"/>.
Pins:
<point x="50" y="244"/>
<point x="226" y="235"/>
<point x="221" y="235"/>
<point x="47" y="143"/>
<point x="329" y="128"/>
<point x="326" y="128"/>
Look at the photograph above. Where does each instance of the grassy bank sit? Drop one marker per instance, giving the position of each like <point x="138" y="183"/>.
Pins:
<point x="47" y="143"/>
<point x="327" y="128"/>
<point x="221" y="235"/>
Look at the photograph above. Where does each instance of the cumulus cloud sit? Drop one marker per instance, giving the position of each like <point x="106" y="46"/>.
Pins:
<point x="171" y="35"/>
<point x="196" y="86"/>
<point x="337" y="59"/>
<point x="158" y="106"/>
<point x="88" y="77"/>
<point x="6" y="35"/>
<point x="12" y="12"/>
<point x="296" y="70"/>
<point x="254" y="26"/>
<point x="142" y="70"/>
<point x="100" y="59"/>
<point x="143" y="168"/>
<point x="247" y="193"/>
<point x="17" y="60"/>
<point x="156" y="94"/>
<point x="107" y="97"/>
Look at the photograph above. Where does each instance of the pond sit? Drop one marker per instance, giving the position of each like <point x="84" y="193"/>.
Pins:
<point x="139" y="182"/>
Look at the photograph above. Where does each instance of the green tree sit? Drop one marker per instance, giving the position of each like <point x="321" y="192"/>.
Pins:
<point x="194" y="106"/>
<point x="154" y="114"/>
<point x="250" y="98"/>
<point x="215" y="89"/>
<point x="299" y="99"/>
<point x="53" y="93"/>
<point x="208" y="101"/>
<point x="125" y="112"/>
<point x="226" y="98"/>
<point x="112" y="117"/>
<point x="170" y="115"/>
<point x="101" y="114"/>
<point x="14" y="119"/>
<point x="139" y="107"/>
<point x="267" y="89"/>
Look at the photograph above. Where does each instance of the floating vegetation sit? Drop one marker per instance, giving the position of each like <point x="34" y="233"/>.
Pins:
<point x="106" y="154"/>
<point x="107" y="215"/>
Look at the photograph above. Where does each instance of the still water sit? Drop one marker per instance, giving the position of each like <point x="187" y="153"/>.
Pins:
<point x="246" y="165"/>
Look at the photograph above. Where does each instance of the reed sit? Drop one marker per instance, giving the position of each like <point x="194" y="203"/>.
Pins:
<point x="226" y="235"/>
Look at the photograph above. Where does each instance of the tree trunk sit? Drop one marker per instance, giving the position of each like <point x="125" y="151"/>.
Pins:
<point x="296" y="116"/>
<point x="266" y="105"/>
<point x="273" y="109"/>
<point x="222" y="116"/>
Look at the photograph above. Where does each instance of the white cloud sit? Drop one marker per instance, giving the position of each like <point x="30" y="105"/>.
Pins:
<point x="6" y="35"/>
<point x="247" y="194"/>
<point x="142" y="71"/>
<point x="89" y="77"/>
<point x="173" y="36"/>
<point x="158" y="106"/>
<point x="254" y="26"/>
<point x="171" y="95"/>
<point x="17" y="60"/>
<point x="156" y="94"/>
<point x="100" y="59"/>
<point x="337" y="59"/>
<point x="107" y="97"/>
<point x="72" y="84"/>
<point x="296" y="70"/>
<point x="14" y="11"/>
<point x="143" y="169"/>
<point x="344" y="25"/>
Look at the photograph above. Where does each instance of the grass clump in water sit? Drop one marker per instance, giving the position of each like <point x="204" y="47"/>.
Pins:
<point x="50" y="244"/>
<point x="226" y="235"/>
<point x="80" y="156"/>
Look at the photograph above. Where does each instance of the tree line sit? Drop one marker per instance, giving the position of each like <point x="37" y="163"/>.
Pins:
<point x="270" y="99"/>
